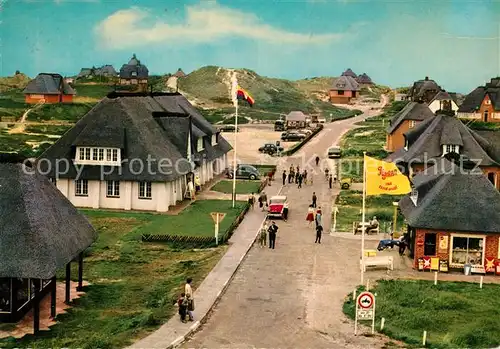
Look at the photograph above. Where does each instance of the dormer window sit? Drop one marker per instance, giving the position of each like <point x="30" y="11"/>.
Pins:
<point x="98" y="156"/>
<point x="412" y="123"/>
<point x="134" y="73"/>
<point x="487" y="102"/>
<point x="214" y="139"/>
<point x="199" y="144"/>
<point x="449" y="148"/>
<point x="414" y="196"/>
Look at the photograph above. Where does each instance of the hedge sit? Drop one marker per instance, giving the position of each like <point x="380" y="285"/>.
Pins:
<point x="297" y="147"/>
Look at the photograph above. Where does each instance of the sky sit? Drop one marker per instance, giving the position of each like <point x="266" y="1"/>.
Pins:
<point x="456" y="43"/>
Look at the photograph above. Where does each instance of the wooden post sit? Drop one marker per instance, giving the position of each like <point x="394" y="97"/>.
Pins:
<point x="80" y="272"/>
<point x="424" y="338"/>
<point x="354" y="295"/>
<point x="53" y="297"/>
<point x="382" y="323"/>
<point x="68" y="281"/>
<point x="36" y="307"/>
<point x="481" y="282"/>
<point x="435" y="278"/>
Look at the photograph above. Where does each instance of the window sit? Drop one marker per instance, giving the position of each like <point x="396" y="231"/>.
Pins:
<point x="340" y="92"/>
<point x="87" y="153"/>
<point x="214" y="139"/>
<point x="487" y="102"/>
<point x="113" y="189"/>
<point x="81" y="154"/>
<point x="134" y="73"/>
<point x="144" y="190"/>
<point x="412" y="123"/>
<point x="81" y="187"/>
<point x="101" y="154"/>
<point x="430" y="244"/>
<point x="199" y="146"/>
<point x="467" y="250"/>
<point x="94" y="154"/>
<point x="115" y="155"/>
<point x="414" y="196"/>
<point x="406" y="145"/>
<point x="449" y="148"/>
<point x="108" y="154"/>
<point x="98" y="156"/>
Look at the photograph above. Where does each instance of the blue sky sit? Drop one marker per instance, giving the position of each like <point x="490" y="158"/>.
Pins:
<point x="395" y="42"/>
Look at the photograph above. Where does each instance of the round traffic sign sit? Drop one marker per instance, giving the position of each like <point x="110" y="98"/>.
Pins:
<point x="365" y="300"/>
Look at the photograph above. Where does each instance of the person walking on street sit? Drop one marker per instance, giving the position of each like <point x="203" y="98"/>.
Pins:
<point x="284" y="177"/>
<point x="310" y="214"/>
<point x="251" y="200"/>
<point x="330" y="181"/>
<point x="285" y="211"/>
<point x="319" y="230"/>
<point x="317" y="160"/>
<point x="304" y="176"/>
<point x="190" y="299"/>
<point x="273" y="230"/>
<point x="318" y="217"/>
<point x="314" y="199"/>
<point x="291" y="176"/>
<point x="297" y="174"/>
<point x="327" y="171"/>
<point x="263" y="235"/>
<point x="182" y="302"/>
<point x="263" y="200"/>
<point x="300" y="180"/>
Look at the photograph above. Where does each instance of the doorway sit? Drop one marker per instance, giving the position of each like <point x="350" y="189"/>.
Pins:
<point x="485" y="119"/>
<point x="430" y="244"/>
<point x="492" y="178"/>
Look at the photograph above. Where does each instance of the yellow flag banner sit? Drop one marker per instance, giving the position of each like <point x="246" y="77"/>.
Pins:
<point x="384" y="178"/>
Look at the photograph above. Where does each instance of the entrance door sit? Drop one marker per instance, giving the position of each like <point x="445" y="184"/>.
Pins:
<point x="430" y="244"/>
<point x="485" y="119"/>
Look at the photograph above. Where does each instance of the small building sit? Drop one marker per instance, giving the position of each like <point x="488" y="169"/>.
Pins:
<point x="136" y="151"/>
<point x="399" y="97"/>
<point x="364" y="79"/>
<point x="106" y="70"/>
<point x="179" y="73"/>
<point x="441" y="135"/>
<point x="483" y="103"/>
<point x="424" y="90"/>
<point x="344" y="89"/>
<point x="48" y="88"/>
<point x="443" y="101"/>
<point x="408" y="118"/>
<point x="134" y="73"/>
<point x="42" y="232"/>
<point x="296" y="119"/>
<point x="453" y="217"/>
<point x="350" y="73"/>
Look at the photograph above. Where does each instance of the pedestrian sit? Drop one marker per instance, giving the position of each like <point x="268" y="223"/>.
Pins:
<point x="304" y="174"/>
<point x="327" y="171"/>
<point x="263" y="201"/>
<point x="290" y="175"/>
<point x="310" y="214"/>
<point x="263" y="235"/>
<point x="319" y="230"/>
<point x="300" y="180"/>
<point x="284" y="177"/>
<point x="285" y="211"/>
<point x="197" y="183"/>
<point x="402" y="244"/>
<point x="190" y="299"/>
<point x="251" y="200"/>
<point x="260" y="203"/>
<point x="330" y="181"/>
<point x="270" y="178"/>
<point x="318" y="216"/>
<point x="273" y="230"/>
<point x="298" y="169"/>
<point x="314" y="199"/>
<point x="317" y="160"/>
<point x="182" y="302"/>
<point x="297" y="174"/>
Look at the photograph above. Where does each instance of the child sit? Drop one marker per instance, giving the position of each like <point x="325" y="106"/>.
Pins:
<point x="263" y="235"/>
<point x="251" y="200"/>
<point x="183" y="304"/>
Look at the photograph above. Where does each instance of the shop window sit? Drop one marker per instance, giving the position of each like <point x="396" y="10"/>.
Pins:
<point x="430" y="244"/>
<point x="467" y="250"/>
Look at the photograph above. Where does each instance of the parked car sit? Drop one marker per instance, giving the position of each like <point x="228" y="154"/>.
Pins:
<point x="276" y="205"/>
<point x="306" y="131"/>
<point x="243" y="172"/>
<point x="334" y="152"/>
<point x="345" y="183"/>
<point x="228" y="128"/>
<point x="279" y="125"/>
<point x="270" y="148"/>
<point x="292" y="136"/>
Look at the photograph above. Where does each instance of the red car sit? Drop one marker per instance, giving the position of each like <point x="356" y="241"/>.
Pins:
<point x="276" y="206"/>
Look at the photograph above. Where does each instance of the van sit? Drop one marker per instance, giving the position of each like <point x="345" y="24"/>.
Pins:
<point x="334" y="152"/>
<point x="279" y="125"/>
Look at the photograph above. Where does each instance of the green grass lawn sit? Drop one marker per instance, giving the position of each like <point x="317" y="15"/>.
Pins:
<point x="350" y="204"/>
<point x="97" y="91"/>
<point x="195" y="220"/>
<point x="17" y="142"/>
<point x="12" y="103"/>
<point x="454" y="314"/>
<point x="68" y="112"/>
<point x="48" y="129"/>
<point x="242" y="186"/>
<point x="133" y="284"/>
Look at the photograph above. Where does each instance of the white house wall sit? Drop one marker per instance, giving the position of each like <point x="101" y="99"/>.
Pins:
<point x="469" y="115"/>
<point x="435" y="106"/>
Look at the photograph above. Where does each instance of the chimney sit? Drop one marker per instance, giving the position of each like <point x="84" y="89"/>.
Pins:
<point x="426" y="78"/>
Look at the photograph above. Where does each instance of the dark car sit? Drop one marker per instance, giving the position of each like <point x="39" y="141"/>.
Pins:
<point x="243" y="172"/>
<point x="279" y="125"/>
<point x="270" y="148"/>
<point x="292" y="136"/>
<point x="228" y="128"/>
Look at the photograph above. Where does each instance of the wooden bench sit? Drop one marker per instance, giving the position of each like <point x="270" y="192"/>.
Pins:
<point x="380" y="261"/>
<point x="357" y="228"/>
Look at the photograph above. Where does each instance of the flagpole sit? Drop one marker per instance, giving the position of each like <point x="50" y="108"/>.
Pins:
<point x="234" y="155"/>
<point x="363" y="226"/>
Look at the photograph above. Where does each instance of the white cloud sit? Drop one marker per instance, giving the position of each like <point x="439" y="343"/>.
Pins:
<point x="203" y="24"/>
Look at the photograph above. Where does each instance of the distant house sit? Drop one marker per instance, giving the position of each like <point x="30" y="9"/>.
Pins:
<point x="138" y="151"/>
<point x="134" y="73"/>
<point x="443" y="101"/>
<point x="172" y="81"/>
<point x="438" y="136"/>
<point x="296" y="119"/>
<point x="86" y="73"/>
<point x="179" y="73"/>
<point x="424" y="90"/>
<point x="344" y="89"/>
<point x="398" y="97"/>
<point x="453" y="215"/>
<point x="104" y="71"/>
<point x="41" y="234"/>
<point x="483" y="103"/>
<point x="48" y="88"/>
<point x="350" y="73"/>
<point x="408" y="118"/>
<point x="364" y="79"/>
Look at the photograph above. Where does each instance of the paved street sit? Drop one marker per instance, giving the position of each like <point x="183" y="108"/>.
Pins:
<point x="292" y="297"/>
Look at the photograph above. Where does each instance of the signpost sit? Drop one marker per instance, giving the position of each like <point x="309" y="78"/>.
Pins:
<point x="217" y="217"/>
<point x="365" y="310"/>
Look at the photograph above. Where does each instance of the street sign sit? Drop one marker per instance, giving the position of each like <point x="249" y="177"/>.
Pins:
<point x="217" y="216"/>
<point x="365" y="309"/>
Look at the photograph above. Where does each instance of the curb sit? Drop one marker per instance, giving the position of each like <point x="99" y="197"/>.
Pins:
<point x="196" y="325"/>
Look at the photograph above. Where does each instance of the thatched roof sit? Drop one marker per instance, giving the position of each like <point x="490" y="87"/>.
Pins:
<point x="49" y="84"/>
<point x="345" y="83"/>
<point x="350" y="73"/>
<point x="451" y="197"/>
<point x="134" y="69"/>
<point x="296" y="116"/>
<point x="412" y="111"/>
<point x="41" y="231"/>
